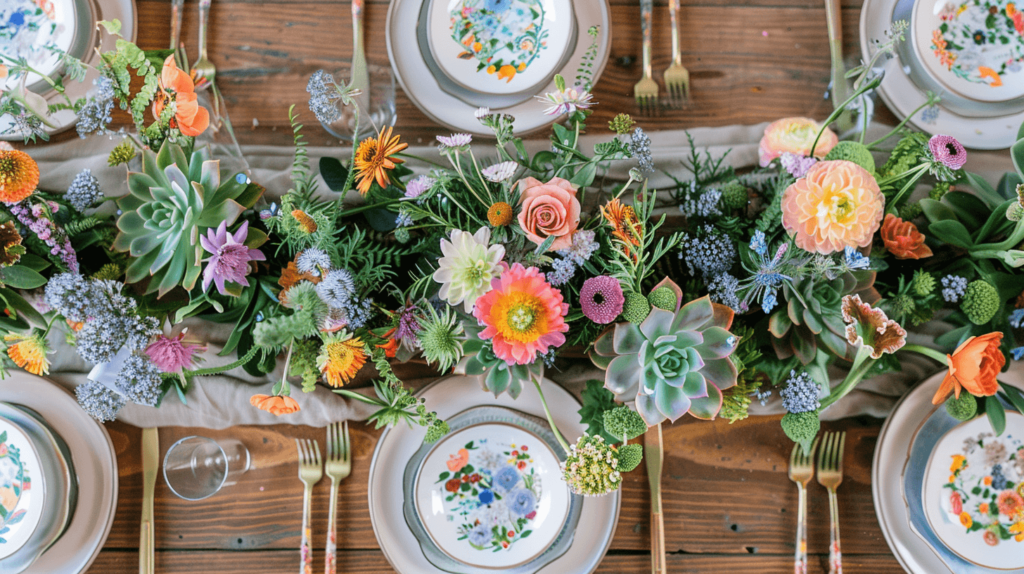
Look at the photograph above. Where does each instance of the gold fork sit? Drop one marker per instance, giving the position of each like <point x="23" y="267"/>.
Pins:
<point x="646" y="90"/>
<point x="677" y="78"/>
<point x="338" y="467"/>
<point x="310" y="472"/>
<point x="204" y="69"/>
<point x="830" y="475"/>
<point x="801" y="471"/>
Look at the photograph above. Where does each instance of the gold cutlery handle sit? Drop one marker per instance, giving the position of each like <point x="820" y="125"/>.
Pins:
<point x="646" y="8"/>
<point x="176" y="8"/>
<point x="835" y="555"/>
<point x="677" y="51"/>
<point x="147" y="562"/>
<point x="658" y="565"/>
<point x="331" y="557"/>
<point x="800" y="559"/>
<point x="204" y="20"/>
<point x="306" y="547"/>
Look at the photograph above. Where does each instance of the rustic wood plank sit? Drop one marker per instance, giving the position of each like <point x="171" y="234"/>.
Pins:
<point x="361" y="562"/>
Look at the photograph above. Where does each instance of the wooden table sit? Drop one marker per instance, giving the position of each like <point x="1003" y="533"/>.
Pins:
<point x="729" y="506"/>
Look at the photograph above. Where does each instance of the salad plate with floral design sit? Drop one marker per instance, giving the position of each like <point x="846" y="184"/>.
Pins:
<point x="973" y="493"/>
<point x="489" y="496"/>
<point x="499" y="46"/>
<point x="22" y="488"/>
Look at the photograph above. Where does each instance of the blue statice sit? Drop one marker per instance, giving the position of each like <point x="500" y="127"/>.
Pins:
<point x="312" y="260"/>
<point x="113" y="322"/>
<point x="758" y="244"/>
<point x="139" y="380"/>
<point x="358" y="312"/>
<point x="562" y="271"/>
<point x="1017" y="318"/>
<point x="337" y="288"/>
<point x="854" y="259"/>
<point x="583" y="246"/>
<point x="95" y="115"/>
<point x="548" y="358"/>
<point x="100" y="402"/>
<point x="73" y="296"/>
<point x="28" y="126"/>
<point x="84" y="191"/>
<point x="953" y="288"/>
<point x="640" y="149"/>
<point x="762" y="395"/>
<point x="800" y="394"/>
<point x="1017" y="353"/>
<point x="704" y="205"/>
<point x="722" y="289"/>
<point x="709" y="255"/>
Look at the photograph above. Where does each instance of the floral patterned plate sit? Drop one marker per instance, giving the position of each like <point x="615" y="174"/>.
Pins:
<point x="499" y="46"/>
<point x="974" y="492"/>
<point x="21" y="488"/>
<point x="489" y="494"/>
<point x="32" y="29"/>
<point x="974" y="48"/>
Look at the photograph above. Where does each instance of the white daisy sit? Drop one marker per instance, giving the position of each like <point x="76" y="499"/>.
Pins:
<point x="467" y="267"/>
<point x="500" y="172"/>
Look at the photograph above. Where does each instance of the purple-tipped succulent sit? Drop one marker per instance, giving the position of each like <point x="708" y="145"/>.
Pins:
<point x="230" y="257"/>
<point x="673" y="362"/>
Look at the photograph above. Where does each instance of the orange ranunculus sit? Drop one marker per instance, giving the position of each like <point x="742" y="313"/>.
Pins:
<point x="973" y="367"/>
<point x="177" y="86"/>
<point x="796" y="136"/>
<point x="275" y="405"/>
<point x="903" y="240"/>
<point x="548" y="210"/>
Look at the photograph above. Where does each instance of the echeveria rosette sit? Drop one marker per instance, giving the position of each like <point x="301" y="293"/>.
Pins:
<point x="673" y="362"/>
<point x="496" y="375"/>
<point x="171" y="202"/>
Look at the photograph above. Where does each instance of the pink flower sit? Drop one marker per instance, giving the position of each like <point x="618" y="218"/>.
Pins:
<point x="1010" y="504"/>
<point x="172" y="354"/>
<point x="548" y="210"/>
<point x="947" y="151"/>
<point x="796" y="136"/>
<point x="601" y="299"/>
<point x="522" y="314"/>
<point x="230" y="259"/>
<point x="836" y="205"/>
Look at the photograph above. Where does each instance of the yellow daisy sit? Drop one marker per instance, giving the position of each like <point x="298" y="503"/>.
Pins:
<point x="29" y="353"/>
<point x="374" y="159"/>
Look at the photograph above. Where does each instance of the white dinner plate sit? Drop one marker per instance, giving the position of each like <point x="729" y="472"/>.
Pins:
<point x="22" y="489"/>
<point x="400" y="443"/>
<point x="425" y="90"/>
<point x="976" y="124"/>
<point x="94" y="463"/>
<point x="891" y="455"/>
<point x="109" y="10"/>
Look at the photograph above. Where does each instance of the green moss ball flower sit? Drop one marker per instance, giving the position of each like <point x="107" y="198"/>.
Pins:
<point x="963" y="408"/>
<point x="923" y="283"/>
<point x="801" y="428"/>
<point x="636" y="308"/>
<point x="734" y="195"/>
<point x="663" y="298"/>
<point x="856" y="152"/>
<point x="981" y="302"/>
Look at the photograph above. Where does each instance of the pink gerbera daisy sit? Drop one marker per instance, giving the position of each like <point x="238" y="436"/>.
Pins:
<point x="523" y="315"/>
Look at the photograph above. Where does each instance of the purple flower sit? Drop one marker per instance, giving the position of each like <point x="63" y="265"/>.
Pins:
<point x="601" y="299"/>
<point x="408" y="324"/>
<point x="417" y="186"/>
<point x="947" y="151"/>
<point x="796" y="165"/>
<point x="172" y="354"/>
<point x="454" y="141"/>
<point x="230" y="259"/>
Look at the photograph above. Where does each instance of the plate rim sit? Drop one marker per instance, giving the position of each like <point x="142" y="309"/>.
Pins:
<point x="42" y="479"/>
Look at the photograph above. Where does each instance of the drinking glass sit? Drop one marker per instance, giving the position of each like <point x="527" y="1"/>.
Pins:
<point x="197" y="467"/>
<point x="376" y="105"/>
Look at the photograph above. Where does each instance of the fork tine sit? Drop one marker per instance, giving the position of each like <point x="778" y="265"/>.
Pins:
<point x="330" y="441"/>
<point x="316" y="445"/>
<point x="346" y="445"/>
<point x="842" y="449"/>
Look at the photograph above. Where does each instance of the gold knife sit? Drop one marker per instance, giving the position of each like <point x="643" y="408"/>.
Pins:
<point x="654" y="454"/>
<point x="150" y="463"/>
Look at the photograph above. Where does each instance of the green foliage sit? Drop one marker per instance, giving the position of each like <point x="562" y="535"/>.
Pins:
<point x="597" y="400"/>
<point x="585" y="71"/>
<point x="981" y="302"/>
<point x="303" y="363"/>
<point x="635" y="308"/>
<point x="910" y="211"/>
<point x="939" y="191"/>
<point x="963" y="408"/>
<point x="771" y="218"/>
<point x="747" y="357"/>
<point x="801" y="428"/>
<point x="275" y="333"/>
<point x="624" y="422"/>
<point x="630" y="456"/>
<point x="120" y="64"/>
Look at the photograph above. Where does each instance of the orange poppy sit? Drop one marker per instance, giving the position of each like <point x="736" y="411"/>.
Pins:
<point x="178" y="87"/>
<point x="973" y="367"/>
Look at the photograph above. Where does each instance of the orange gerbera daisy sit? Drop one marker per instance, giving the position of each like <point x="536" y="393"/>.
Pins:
<point x="19" y="175"/>
<point x="340" y="359"/>
<point x="626" y="226"/>
<point x="29" y="353"/>
<point x="374" y="159"/>
<point x="275" y="405"/>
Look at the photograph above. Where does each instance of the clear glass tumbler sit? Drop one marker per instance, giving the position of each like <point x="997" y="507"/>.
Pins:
<point x="197" y="467"/>
<point x="376" y="104"/>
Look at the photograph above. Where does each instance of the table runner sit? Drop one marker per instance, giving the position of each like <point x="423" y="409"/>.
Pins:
<point x="223" y="401"/>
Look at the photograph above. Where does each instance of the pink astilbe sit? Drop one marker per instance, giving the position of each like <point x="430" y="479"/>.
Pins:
<point x="173" y="354"/>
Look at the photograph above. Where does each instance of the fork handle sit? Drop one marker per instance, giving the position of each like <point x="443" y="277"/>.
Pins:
<point x="800" y="559"/>
<point x="176" y="7"/>
<point x="646" y="8"/>
<point x="677" y="56"/>
<point x="331" y="558"/>
<point x="835" y="556"/>
<point x="306" y="548"/>
<point x="204" y="18"/>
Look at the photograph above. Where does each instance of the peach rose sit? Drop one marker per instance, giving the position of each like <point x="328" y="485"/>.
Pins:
<point x="794" y="135"/>
<point x="973" y="367"/>
<point x="836" y="205"/>
<point x="549" y="210"/>
<point x="191" y="118"/>
<point x="903" y="240"/>
<point x="275" y="405"/>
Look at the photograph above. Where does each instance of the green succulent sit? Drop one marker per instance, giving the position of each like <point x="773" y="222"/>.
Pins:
<point x="496" y="375"/>
<point x="171" y="202"/>
<point x="811" y="316"/>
